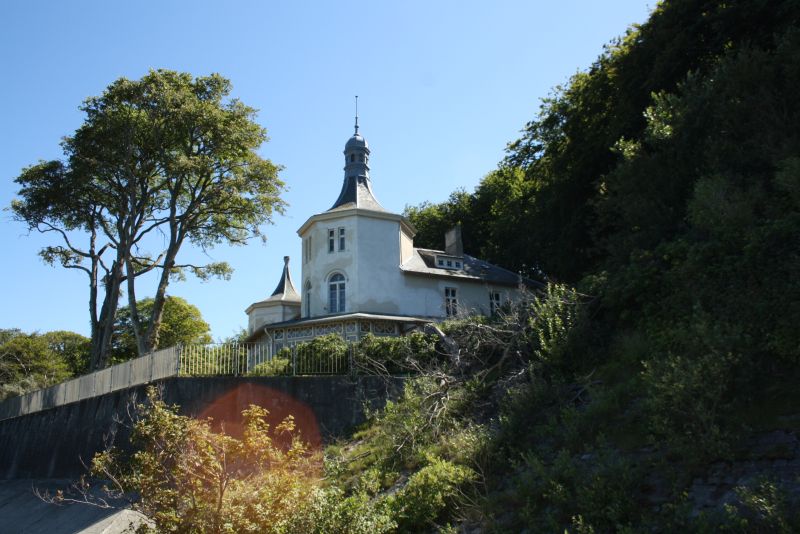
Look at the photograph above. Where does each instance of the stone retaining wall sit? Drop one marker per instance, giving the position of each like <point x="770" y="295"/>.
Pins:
<point x="55" y="442"/>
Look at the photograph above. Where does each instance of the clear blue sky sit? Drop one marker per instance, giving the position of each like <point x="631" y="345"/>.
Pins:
<point x="442" y="85"/>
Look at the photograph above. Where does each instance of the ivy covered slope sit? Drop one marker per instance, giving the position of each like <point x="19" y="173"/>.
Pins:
<point x="664" y="184"/>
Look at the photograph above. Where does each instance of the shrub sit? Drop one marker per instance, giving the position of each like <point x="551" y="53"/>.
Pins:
<point x="686" y="402"/>
<point x="278" y="365"/>
<point x="393" y="355"/>
<point x="431" y="493"/>
<point x="763" y="507"/>
<point x="191" y="479"/>
<point x="324" y="354"/>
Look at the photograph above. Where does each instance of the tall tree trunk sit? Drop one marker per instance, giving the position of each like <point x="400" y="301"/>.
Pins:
<point x="101" y="343"/>
<point x="136" y="323"/>
<point x="93" y="273"/>
<point x="157" y="314"/>
<point x="176" y="236"/>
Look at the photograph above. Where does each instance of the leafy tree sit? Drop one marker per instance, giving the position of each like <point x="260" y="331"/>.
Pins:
<point x="548" y="218"/>
<point x="33" y="361"/>
<point x="73" y="348"/>
<point x="165" y="154"/>
<point x="182" y="324"/>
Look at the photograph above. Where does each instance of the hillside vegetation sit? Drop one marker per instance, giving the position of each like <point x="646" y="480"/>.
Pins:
<point x="664" y="184"/>
<point x="661" y="190"/>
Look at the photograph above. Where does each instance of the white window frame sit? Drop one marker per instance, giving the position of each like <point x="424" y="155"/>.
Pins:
<point x="341" y="235"/>
<point x="494" y="302"/>
<point x="451" y="301"/>
<point x="337" y="291"/>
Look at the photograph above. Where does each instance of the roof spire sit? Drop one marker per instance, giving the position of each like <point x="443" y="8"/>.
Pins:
<point x="285" y="288"/>
<point x="356" y="115"/>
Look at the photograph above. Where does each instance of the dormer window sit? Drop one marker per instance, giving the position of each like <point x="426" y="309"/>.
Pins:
<point x="449" y="262"/>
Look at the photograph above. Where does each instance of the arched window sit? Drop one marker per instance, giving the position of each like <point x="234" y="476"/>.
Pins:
<point x="336" y="293"/>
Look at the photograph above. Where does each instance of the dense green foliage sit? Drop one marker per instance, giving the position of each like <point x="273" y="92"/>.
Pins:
<point x="554" y="174"/>
<point x="181" y="324"/>
<point x="664" y="183"/>
<point x="34" y="361"/>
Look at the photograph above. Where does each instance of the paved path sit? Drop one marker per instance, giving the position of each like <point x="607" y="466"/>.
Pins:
<point x="22" y="512"/>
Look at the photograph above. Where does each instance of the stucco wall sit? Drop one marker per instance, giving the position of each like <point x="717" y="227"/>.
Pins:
<point x="272" y="312"/>
<point x="371" y="266"/>
<point x="321" y="263"/>
<point x="51" y="443"/>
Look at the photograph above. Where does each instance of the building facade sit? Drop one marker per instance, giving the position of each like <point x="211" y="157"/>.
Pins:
<point x="360" y="272"/>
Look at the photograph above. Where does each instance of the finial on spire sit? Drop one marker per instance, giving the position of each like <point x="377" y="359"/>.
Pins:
<point x="356" y="113"/>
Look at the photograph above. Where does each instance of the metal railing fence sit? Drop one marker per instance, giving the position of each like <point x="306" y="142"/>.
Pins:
<point x="222" y="359"/>
<point x="307" y="361"/>
<point x="217" y="359"/>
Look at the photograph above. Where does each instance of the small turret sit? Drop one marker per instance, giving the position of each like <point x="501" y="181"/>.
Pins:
<point x="282" y="305"/>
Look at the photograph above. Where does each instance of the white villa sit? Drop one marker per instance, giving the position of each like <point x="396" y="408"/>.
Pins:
<point x="361" y="272"/>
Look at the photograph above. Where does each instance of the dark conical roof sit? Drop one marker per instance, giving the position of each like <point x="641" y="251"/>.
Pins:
<point x="357" y="193"/>
<point x="285" y="289"/>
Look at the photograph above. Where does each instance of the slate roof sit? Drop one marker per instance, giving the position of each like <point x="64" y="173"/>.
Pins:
<point x="357" y="193"/>
<point x="423" y="262"/>
<point x="285" y="290"/>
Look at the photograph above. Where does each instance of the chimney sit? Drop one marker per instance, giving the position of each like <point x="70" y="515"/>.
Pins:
<point x="452" y="241"/>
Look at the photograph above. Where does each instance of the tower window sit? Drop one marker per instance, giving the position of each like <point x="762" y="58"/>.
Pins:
<point x="352" y="157"/>
<point x="341" y="238"/>
<point x="336" y="292"/>
<point x="331" y="240"/>
<point x="361" y="158"/>
<point x="450" y="302"/>
<point x="308" y="298"/>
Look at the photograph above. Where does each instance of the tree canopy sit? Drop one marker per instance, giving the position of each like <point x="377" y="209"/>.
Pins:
<point x="168" y="154"/>
<point x="181" y="324"/>
<point x="33" y="361"/>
